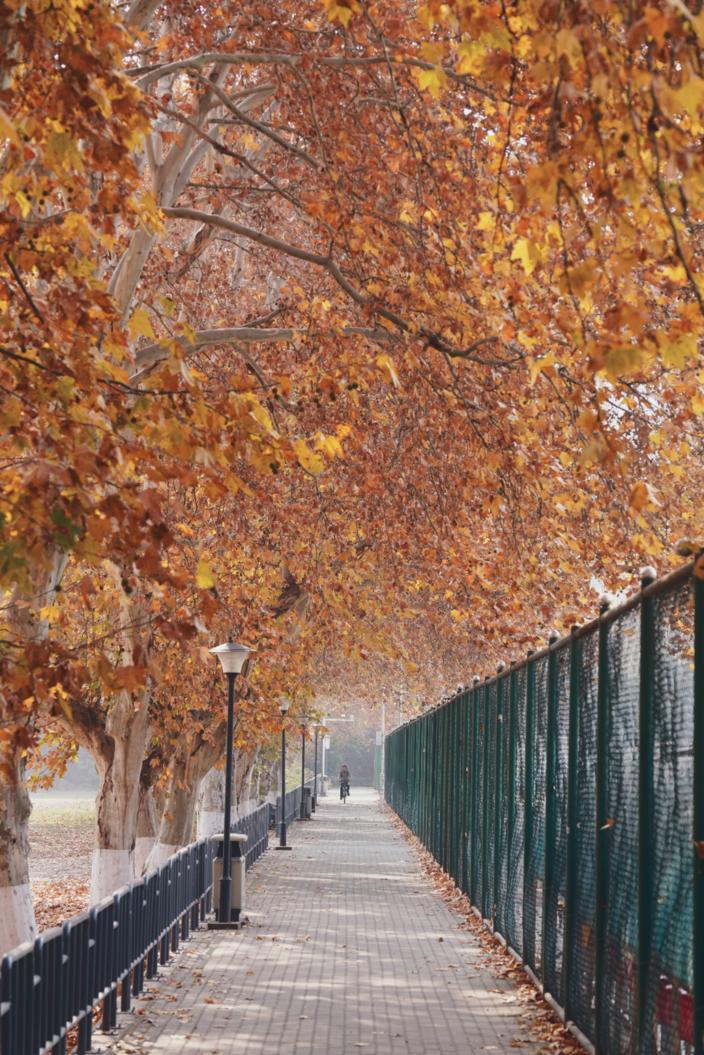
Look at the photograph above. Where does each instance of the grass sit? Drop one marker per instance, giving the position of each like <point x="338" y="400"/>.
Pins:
<point x="62" y="810"/>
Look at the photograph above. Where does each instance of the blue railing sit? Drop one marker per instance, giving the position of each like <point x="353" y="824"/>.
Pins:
<point x="292" y="802"/>
<point x="256" y="827"/>
<point x="49" y="987"/>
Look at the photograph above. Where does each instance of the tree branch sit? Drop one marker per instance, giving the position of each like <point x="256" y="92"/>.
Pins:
<point x="327" y="264"/>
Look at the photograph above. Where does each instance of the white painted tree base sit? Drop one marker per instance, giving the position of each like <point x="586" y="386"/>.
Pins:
<point x="111" y="870"/>
<point x="16" y="917"/>
<point x="159" y="855"/>
<point x="210" y="822"/>
<point x="142" y="848"/>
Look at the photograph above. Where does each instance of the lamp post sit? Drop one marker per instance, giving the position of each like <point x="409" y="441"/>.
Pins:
<point x="302" y="812"/>
<point x="313" y="803"/>
<point x="232" y="659"/>
<point x="283" y="709"/>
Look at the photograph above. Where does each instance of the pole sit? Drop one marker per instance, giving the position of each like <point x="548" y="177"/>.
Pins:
<point x="646" y="807"/>
<point x="302" y="812"/>
<point x="282" y="818"/>
<point x="698" y="820"/>
<point x="226" y="878"/>
<point x="323" y="789"/>
<point x="382" y="763"/>
<point x="315" y="773"/>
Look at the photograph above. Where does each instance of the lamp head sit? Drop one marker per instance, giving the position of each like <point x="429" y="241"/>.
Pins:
<point x="283" y="707"/>
<point x="232" y="657"/>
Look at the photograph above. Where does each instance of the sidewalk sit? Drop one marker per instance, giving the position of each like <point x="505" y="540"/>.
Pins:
<point x="349" y="949"/>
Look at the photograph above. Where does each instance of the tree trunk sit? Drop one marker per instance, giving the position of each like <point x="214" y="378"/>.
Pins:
<point x="16" y="910"/>
<point x="147" y="827"/>
<point x="24" y="627"/>
<point x="176" y="825"/>
<point x="211" y="803"/>
<point x="119" y="765"/>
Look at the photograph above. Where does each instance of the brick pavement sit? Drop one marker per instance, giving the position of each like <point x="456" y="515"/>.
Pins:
<point x="349" y="949"/>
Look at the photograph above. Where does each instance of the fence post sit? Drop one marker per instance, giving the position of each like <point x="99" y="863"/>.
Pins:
<point x="646" y="747"/>
<point x="511" y="814"/>
<point x="475" y="793"/>
<point x="602" y="826"/>
<point x="548" y="953"/>
<point x="698" y="863"/>
<point x="572" y="814"/>
<point x="467" y="786"/>
<point x="528" y="820"/>
<point x="499" y="788"/>
<point x="485" y="802"/>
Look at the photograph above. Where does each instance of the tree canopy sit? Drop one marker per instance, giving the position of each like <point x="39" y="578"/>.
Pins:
<point x="368" y="333"/>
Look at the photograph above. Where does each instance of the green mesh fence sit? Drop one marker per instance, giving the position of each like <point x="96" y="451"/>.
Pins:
<point x="556" y="824"/>
<point x="533" y="891"/>
<point x="618" y="976"/>
<point x="516" y="810"/>
<point x="581" y="938"/>
<point x="668" y="998"/>
<point x="502" y="804"/>
<point x="566" y="797"/>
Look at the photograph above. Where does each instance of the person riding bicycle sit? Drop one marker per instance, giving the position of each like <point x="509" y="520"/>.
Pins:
<point x="344" y="780"/>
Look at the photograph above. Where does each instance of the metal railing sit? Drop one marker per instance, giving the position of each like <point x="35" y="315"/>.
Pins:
<point x="49" y="987"/>
<point x="565" y="796"/>
<point x="292" y="802"/>
<point x="255" y="826"/>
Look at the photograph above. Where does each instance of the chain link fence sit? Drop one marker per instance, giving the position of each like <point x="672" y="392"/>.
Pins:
<point x="565" y="796"/>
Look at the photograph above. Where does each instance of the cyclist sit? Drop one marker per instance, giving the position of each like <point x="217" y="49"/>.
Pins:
<point x="344" y="780"/>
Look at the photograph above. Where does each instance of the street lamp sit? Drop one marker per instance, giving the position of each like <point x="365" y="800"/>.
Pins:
<point x="302" y="813"/>
<point x="314" y="799"/>
<point x="283" y="710"/>
<point x="232" y="659"/>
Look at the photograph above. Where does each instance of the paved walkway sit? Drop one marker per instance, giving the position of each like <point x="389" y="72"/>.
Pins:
<point x="349" y="949"/>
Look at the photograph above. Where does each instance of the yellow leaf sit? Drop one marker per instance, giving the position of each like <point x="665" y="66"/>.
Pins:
<point x="386" y="364"/>
<point x="50" y="613"/>
<point x="697" y="403"/>
<point x="622" y="361"/>
<point x="486" y="222"/>
<point x="24" y="204"/>
<point x="341" y="10"/>
<point x="204" y="575"/>
<point x="307" y="458"/>
<point x="527" y="253"/>
<point x="642" y="498"/>
<point x="677" y="352"/>
<point x="433" y="80"/>
<point x="472" y="55"/>
<point x="140" y="324"/>
<point x="7" y="129"/>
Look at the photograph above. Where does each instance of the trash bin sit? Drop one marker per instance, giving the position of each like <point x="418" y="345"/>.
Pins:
<point x="307" y="803"/>
<point x="237" y="872"/>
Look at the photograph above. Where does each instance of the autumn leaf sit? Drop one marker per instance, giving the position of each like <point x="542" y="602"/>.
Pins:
<point x="140" y="324"/>
<point x="204" y="575"/>
<point x="642" y="498"/>
<point x="307" y="458"/>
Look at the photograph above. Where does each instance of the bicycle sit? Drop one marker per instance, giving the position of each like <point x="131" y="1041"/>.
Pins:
<point x="344" y="791"/>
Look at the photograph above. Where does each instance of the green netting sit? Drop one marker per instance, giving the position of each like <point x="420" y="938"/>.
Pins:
<point x="556" y="851"/>
<point x="489" y="801"/>
<point x="478" y="795"/>
<point x="535" y="845"/>
<point x="669" y="1023"/>
<point x="565" y="784"/>
<point x="581" y="987"/>
<point x="502" y="785"/>
<point x="514" y="910"/>
<point x="621" y="942"/>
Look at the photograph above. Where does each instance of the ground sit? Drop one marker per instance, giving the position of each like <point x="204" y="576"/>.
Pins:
<point x="61" y="834"/>
<point x="350" y="946"/>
